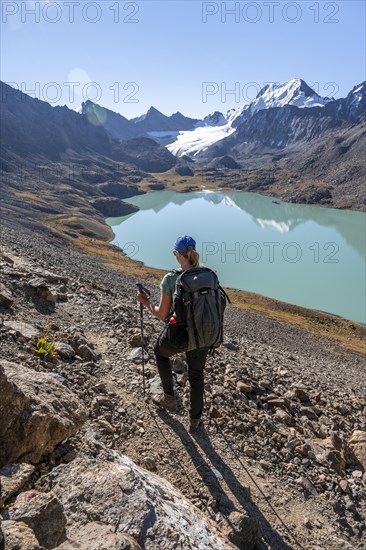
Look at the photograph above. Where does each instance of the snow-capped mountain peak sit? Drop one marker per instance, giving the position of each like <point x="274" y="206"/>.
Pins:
<point x="213" y="119"/>
<point x="217" y="126"/>
<point x="359" y="90"/>
<point x="294" y="92"/>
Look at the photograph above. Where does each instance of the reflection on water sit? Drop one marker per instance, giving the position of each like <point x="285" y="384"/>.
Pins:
<point x="300" y="254"/>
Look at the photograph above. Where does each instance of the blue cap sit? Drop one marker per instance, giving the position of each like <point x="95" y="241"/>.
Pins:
<point x="183" y="242"/>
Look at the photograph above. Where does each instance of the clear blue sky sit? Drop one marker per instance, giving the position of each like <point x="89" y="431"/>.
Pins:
<point x="162" y="53"/>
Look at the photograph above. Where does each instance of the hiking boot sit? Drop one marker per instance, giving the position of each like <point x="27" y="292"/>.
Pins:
<point x="165" y="401"/>
<point x="195" y="424"/>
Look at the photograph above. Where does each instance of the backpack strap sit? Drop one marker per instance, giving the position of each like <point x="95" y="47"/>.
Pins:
<point x="224" y="293"/>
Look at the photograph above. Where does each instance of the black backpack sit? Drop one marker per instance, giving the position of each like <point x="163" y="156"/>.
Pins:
<point x="199" y="304"/>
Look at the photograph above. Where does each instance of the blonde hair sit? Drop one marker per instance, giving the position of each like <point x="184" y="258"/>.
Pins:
<point x="192" y="256"/>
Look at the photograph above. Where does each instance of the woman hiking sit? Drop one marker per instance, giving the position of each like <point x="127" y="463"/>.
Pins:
<point x="185" y="252"/>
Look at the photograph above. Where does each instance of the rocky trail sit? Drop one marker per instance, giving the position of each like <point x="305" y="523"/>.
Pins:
<point x="87" y="463"/>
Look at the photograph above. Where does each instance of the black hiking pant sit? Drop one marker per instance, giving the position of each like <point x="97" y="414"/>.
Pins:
<point x="196" y="360"/>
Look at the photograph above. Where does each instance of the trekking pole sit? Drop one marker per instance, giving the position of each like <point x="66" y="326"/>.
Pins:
<point x="142" y="290"/>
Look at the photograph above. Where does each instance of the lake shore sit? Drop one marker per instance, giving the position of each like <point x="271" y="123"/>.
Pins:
<point x="345" y="333"/>
<point x="82" y="227"/>
<point x="245" y="279"/>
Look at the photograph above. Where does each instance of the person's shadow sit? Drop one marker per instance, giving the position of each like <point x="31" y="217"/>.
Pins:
<point x="212" y="468"/>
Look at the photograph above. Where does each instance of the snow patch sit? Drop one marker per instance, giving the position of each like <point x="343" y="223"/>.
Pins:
<point x="216" y="126"/>
<point x="192" y="142"/>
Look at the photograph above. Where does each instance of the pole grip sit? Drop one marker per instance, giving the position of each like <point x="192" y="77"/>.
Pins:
<point x="142" y="289"/>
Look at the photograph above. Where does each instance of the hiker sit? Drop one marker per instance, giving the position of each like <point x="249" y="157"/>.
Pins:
<point x="185" y="252"/>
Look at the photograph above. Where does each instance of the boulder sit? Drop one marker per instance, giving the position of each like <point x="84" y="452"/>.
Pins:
<point x="40" y="289"/>
<point x="54" y="278"/>
<point x="18" y="536"/>
<point x="301" y="393"/>
<point x="37" y="412"/>
<point x="43" y="513"/>
<point x="23" y="329"/>
<point x="6" y="298"/>
<point x="244" y="530"/>
<point x="65" y="350"/>
<point x="12" y="478"/>
<point x="135" y="339"/>
<point x="327" y="452"/>
<point x="358" y="446"/>
<point x="242" y="387"/>
<point x="114" y="490"/>
<point x="135" y="355"/>
<point x="86" y="353"/>
<point x="98" y="536"/>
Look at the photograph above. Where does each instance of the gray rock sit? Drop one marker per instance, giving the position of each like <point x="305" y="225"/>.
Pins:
<point x="179" y="365"/>
<point x="135" y="501"/>
<point x="358" y="446"/>
<point x="43" y="513"/>
<point x="244" y="530"/>
<point x="99" y="536"/>
<point x="37" y="412"/>
<point x="301" y="393"/>
<point x="18" y="536"/>
<point x="86" y="353"/>
<point x="12" y="478"/>
<point x="135" y="339"/>
<point x="65" y="350"/>
<point x="283" y="417"/>
<point x="6" y="298"/>
<point x="135" y="355"/>
<point x="41" y="289"/>
<point x="54" y="277"/>
<point x="25" y="330"/>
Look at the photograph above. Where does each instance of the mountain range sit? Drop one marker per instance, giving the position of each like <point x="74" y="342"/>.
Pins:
<point x="288" y="128"/>
<point x="279" y="115"/>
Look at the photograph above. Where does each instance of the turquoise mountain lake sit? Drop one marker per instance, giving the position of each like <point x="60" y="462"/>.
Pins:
<point x="309" y="256"/>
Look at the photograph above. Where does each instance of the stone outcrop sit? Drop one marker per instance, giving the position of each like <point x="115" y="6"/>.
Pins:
<point x="115" y="490"/>
<point x="12" y="479"/>
<point x="25" y="330"/>
<point x="18" y="536"/>
<point x="6" y="298"/>
<point x="111" y="206"/>
<point x="358" y="445"/>
<point x="43" y="513"/>
<point x="37" y="413"/>
<point x="97" y="535"/>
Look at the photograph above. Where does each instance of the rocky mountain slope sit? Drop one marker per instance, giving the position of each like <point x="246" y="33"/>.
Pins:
<point x="155" y="121"/>
<point x="114" y="123"/>
<point x="280" y="114"/>
<point x="33" y="129"/>
<point x="309" y="154"/>
<point x="281" y="460"/>
<point x="163" y="129"/>
<point x="278" y="127"/>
